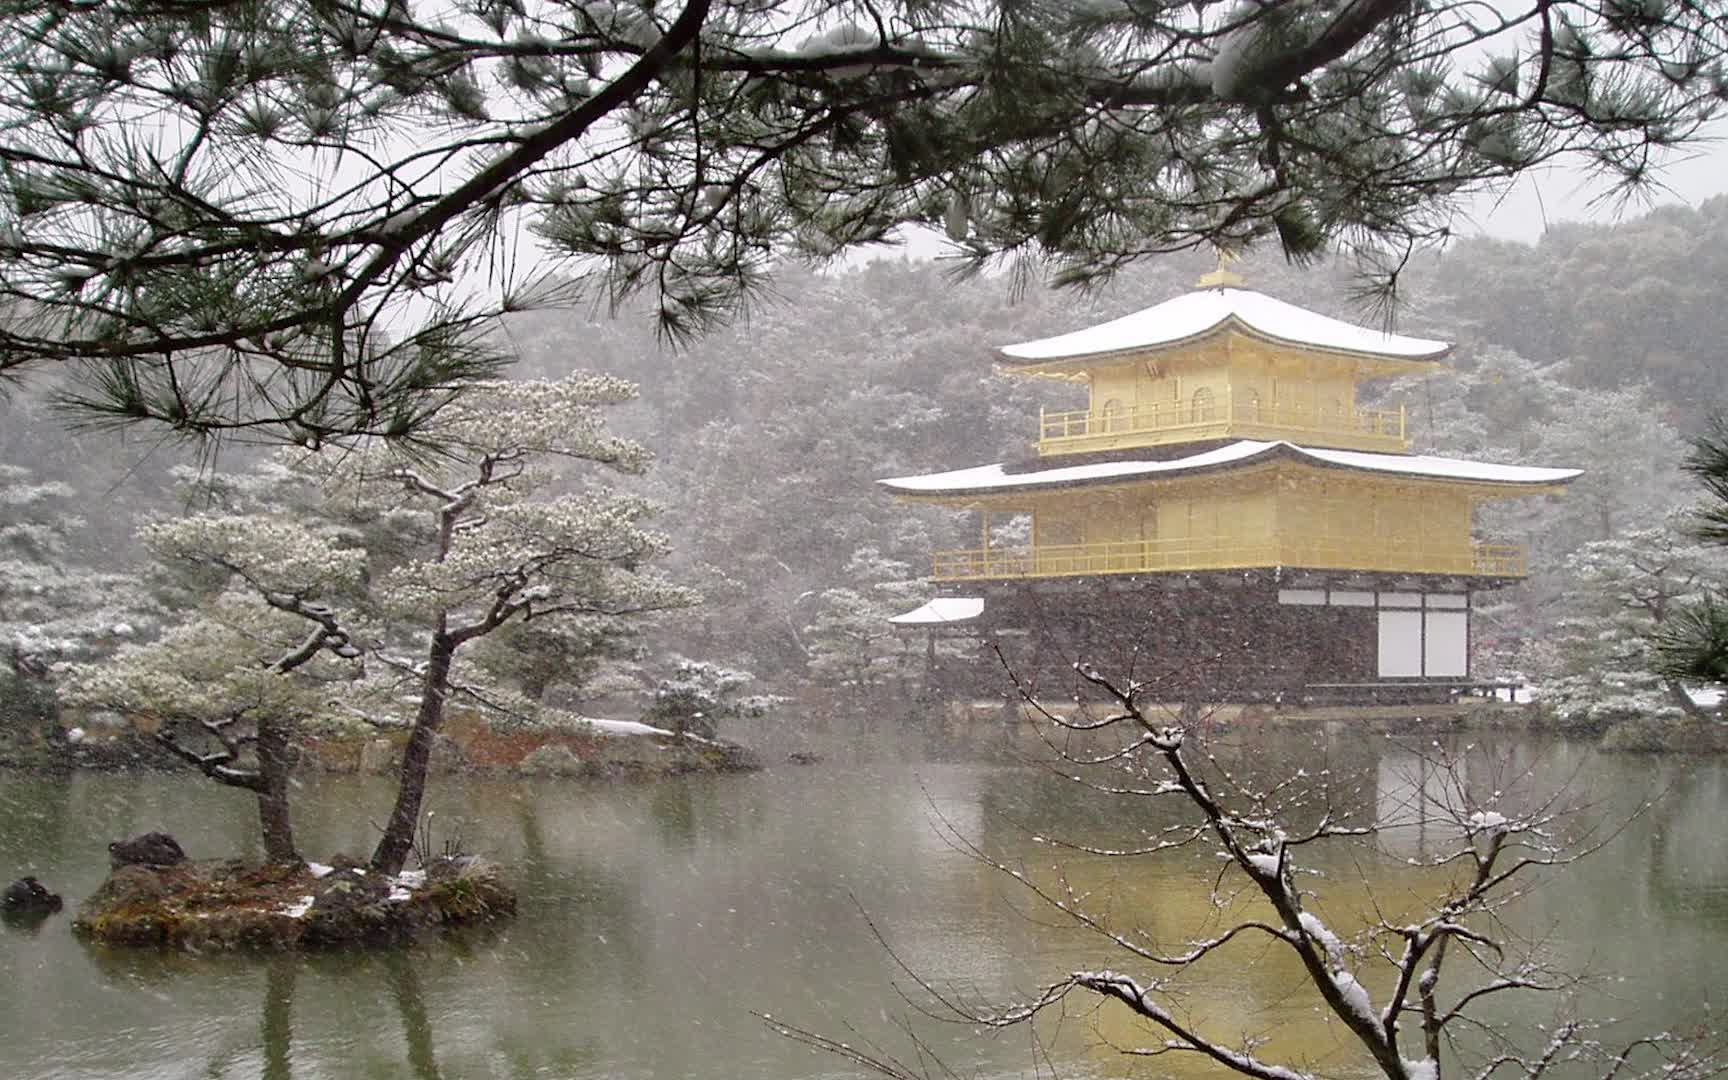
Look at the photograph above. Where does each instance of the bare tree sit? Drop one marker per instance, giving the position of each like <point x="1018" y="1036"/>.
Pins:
<point x="1438" y="972"/>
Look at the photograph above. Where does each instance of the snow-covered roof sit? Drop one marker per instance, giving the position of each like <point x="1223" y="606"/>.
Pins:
<point x="943" y="609"/>
<point x="1193" y="314"/>
<point x="988" y="478"/>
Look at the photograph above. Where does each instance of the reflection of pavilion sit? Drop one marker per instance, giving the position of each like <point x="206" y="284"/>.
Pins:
<point x="1227" y="498"/>
<point x="1412" y="804"/>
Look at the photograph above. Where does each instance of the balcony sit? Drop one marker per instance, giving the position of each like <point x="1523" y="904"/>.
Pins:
<point x="1165" y="422"/>
<point x="1226" y="553"/>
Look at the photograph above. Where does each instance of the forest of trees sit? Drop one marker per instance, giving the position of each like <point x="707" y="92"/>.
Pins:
<point x="1596" y="348"/>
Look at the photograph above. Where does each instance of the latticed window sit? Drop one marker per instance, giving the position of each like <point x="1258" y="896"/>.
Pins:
<point x="1201" y="406"/>
<point x="1114" y="415"/>
<point x="1251" y="405"/>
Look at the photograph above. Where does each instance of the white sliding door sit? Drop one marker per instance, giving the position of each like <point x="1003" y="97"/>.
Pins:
<point x="1400" y="643"/>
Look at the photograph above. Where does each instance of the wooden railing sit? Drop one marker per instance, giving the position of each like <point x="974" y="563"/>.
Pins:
<point x="1223" y="553"/>
<point x="1171" y="421"/>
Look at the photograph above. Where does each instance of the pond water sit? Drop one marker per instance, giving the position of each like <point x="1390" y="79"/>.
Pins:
<point x="657" y="920"/>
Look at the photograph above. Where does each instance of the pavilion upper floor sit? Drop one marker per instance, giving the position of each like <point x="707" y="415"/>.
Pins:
<point x="1243" y="506"/>
<point x="1222" y="364"/>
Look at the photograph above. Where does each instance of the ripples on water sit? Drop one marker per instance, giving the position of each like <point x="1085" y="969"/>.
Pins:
<point x="656" y="919"/>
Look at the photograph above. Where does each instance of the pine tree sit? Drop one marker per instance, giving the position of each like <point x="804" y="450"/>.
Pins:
<point x="358" y="578"/>
<point x="852" y="643"/>
<point x="311" y="234"/>
<point x="1694" y="646"/>
<point x="1601" y="664"/>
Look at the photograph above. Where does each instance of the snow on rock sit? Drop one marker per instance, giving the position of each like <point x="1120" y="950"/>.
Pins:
<point x="317" y="869"/>
<point x="299" y="908"/>
<point x="402" y="886"/>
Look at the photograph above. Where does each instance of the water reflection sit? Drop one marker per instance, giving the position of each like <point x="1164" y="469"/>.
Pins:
<point x="656" y="918"/>
<point x="276" y="1020"/>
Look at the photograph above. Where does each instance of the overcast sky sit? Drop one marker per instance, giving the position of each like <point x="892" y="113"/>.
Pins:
<point x="1557" y="195"/>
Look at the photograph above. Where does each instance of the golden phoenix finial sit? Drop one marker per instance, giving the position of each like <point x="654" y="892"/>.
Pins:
<point x="1222" y="277"/>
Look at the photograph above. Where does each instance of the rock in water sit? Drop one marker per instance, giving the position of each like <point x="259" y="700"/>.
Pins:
<point x="28" y="896"/>
<point x="150" y="849"/>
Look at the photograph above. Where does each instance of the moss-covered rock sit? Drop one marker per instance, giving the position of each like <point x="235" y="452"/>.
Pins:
<point x="553" y="760"/>
<point x="232" y="905"/>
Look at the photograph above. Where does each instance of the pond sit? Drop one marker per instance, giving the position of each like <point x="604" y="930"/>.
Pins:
<point x="657" y="920"/>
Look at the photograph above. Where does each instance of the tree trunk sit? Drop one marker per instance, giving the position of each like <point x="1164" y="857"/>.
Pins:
<point x="275" y="758"/>
<point x="398" y="838"/>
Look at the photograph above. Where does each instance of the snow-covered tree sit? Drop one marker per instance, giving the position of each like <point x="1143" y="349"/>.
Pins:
<point x="54" y="606"/>
<point x="541" y="658"/>
<point x="1500" y="406"/>
<point x="851" y="642"/>
<point x="400" y="565"/>
<point x="267" y="651"/>
<point x="309" y="235"/>
<point x="1631" y="457"/>
<point x="1600" y="663"/>
<point x="699" y="696"/>
<point x="1415" y="981"/>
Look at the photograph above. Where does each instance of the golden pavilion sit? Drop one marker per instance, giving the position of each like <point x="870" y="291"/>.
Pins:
<point x="1226" y="504"/>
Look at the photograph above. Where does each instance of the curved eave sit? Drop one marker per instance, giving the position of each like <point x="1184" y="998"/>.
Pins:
<point x="942" y="611"/>
<point x="1073" y="366"/>
<point x="990" y="482"/>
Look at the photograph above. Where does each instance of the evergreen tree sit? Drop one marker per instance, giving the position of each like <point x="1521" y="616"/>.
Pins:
<point x="1601" y="663"/>
<point x="1694" y="645"/>
<point x="370" y="595"/>
<point x="54" y="607"/>
<point x="309" y="237"/>
<point x="852" y="643"/>
<point x="699" y="696"/>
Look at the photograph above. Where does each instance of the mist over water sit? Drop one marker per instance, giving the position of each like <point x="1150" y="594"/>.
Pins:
<point x="657" y="919"/>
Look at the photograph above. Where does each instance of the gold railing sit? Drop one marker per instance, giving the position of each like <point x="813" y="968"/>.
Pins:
<point x="1222" y="553"/>
<point x="1170" y="421"/>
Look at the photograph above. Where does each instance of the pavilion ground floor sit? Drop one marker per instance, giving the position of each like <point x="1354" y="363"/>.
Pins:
<point x="1277" y="636"/>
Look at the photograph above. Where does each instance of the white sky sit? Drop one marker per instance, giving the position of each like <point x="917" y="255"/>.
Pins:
<point x="1543" y="198"/>
<point x="1556" y="195"/>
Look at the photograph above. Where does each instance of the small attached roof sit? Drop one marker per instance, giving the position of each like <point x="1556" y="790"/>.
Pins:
<point x="988" y="479"/>
<point x="1196" y="314"/>
<point x="943" y="609"/>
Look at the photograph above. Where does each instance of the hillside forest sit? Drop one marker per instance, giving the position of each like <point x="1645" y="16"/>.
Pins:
<point x="1597" y="348"/>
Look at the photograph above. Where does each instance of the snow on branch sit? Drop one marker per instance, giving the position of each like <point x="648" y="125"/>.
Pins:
<point x="1402" y="989"/>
